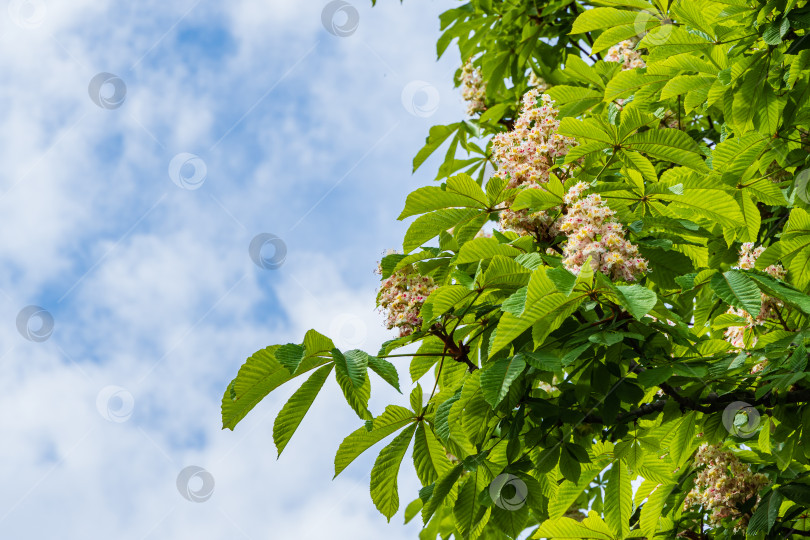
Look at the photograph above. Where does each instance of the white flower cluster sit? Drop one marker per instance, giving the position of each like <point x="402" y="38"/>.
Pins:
<point x="526" y="155"/>
<point x="593" y="231"/>
<point x="625" y="54"/>
<point x="473" y="88"/>
<point x="402" y="295"/>
<point x="723" y="484"/>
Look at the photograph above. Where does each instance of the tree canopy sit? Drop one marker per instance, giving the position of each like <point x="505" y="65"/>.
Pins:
<point x="608" y="281"/>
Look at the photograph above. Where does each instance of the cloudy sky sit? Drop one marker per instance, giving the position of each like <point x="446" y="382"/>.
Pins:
<point x="144" y="145"/>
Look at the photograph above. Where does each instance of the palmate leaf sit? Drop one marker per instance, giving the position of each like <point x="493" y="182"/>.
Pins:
<point x="545" y="307"/>
<point x="541" y="198"/>
<point x="573" y="100"/>
<point x="293" y="412"/>
<point x="384" y="491"/>
<point x="441" y="300"/>
<point x="788" y="295"/>
<point x="588" y="130"/>
<point x="258" y="376"/>
<point x="393" y="419"/>
<point x="386" y="370"/>
<point x="643" y="21"/>
<point x="751" y="216"/>
<point x="685" y="83"/>
<point x="750" y="97"/>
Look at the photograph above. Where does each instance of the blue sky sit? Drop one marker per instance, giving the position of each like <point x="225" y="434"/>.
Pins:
<point x="154" y="297"/>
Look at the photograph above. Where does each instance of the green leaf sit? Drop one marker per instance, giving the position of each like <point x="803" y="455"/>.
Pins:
<point x="788" y="295"/>
<point x="498" y="376"/>
<point x="428" y="226"/>
<point x="685" y="83"/>
<point x="438" y="134"/>
<point x="353" y="365"/>
<point x="384" y="474"/>
<point x="416" y="399"/>
<point x="545" y="306"/>
<point x="601" y="18"/>
<point x="563" y="279"/>
<point x="467" y="511"/>
<point x="393" y="419"/>
<point x="627" y="83"/>
<point x="258" y="376"/>
<point x="749" y="98"/>
<point x="738" y="290"/>
<point x="440" y="491"/>
<point x="290" y="356"/>
<point x="653" y="508"/>
<point x="293" y="412"/>
<point x="712" y="204"/>
<point x="538" y="198"/>
<point x="752" y="218"/>
<point x="350" y="372"/>
<point x="568" y="492"/>
<point x="504" y="272"/>
<point x="484" y="248"/>
<point x="429" y="456"/>
<point x="637" y="300"/>
<point x="574" y="100"/>
<point x="386" y="370"/>
<point x="683" y="440"/>
<point x="669" y="145"/>
<point x="461" y="191"/>
<point x="619" y="493"/>
<point x="591" y="527"/>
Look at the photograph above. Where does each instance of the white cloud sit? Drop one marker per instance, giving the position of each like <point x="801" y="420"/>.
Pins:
<point x="151" y="286"/>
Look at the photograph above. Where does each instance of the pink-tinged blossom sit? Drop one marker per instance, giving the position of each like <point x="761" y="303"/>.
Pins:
<point x="473" y="88"/>
<point x="526" y="155"/>
<point x="594" y="232"/>
<point x="401" y="297"/>
<point x="625" y="54"/>
<point x="770" y="306"/>
<point x="722" y="484"/>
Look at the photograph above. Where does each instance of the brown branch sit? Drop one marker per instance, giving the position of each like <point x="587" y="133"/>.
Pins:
<point x="457" y="351"/>
<point x="711" y="403"/>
